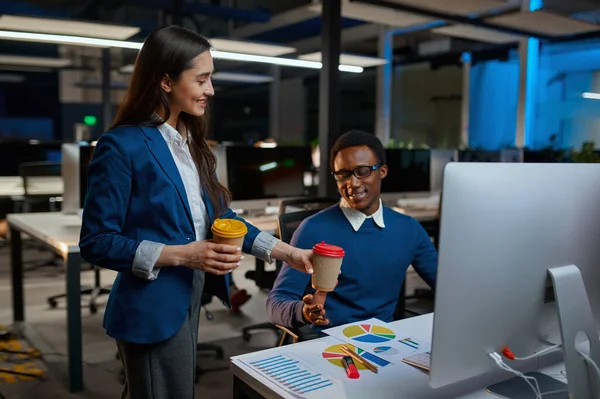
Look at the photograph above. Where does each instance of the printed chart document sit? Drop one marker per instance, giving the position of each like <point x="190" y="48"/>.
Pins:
<point x="314" y="370"/>
<point x="380" y="339"/>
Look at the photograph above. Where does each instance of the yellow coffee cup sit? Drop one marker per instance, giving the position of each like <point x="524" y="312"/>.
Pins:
<point x="229" y="232"/>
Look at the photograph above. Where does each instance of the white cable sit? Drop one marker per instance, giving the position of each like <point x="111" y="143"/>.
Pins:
<point x="500" y="363"/>
<point x="591" y="362"/>
<point x="540" y="353"/>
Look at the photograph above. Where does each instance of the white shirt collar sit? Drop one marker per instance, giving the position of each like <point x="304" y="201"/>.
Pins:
<point x="171" y="134"/>
<point x="357" y="218"/>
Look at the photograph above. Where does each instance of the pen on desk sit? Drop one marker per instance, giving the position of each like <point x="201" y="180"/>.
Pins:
<point x="359" y="359"/>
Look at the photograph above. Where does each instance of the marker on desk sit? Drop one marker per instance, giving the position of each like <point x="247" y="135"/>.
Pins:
<point x="350" y="367"/>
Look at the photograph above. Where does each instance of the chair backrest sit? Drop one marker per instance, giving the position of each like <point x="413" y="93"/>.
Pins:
<point x="289" y="222"/>
<point x="31" y="170"/>
<point x="306" y="203"/>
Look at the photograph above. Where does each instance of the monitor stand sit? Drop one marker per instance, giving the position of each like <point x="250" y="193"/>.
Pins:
<point x="575" y="316"/>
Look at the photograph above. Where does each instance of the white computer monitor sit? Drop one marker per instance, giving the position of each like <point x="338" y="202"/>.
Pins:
<point x="503" y="226"/>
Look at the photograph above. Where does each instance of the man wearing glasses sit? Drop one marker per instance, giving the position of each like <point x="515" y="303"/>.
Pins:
<point x="379" y="244"/>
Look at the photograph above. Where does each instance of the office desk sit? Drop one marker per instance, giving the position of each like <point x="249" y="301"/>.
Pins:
<point x="61" y="234"/>
<point x="269" y="223"/>
<point x="404" y="381"/>
<point x="12" y="186"/>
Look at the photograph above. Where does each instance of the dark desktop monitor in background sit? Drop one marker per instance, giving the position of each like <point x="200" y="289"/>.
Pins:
<point x="260" y="173"/>
<point x="408" y="171"/>
<point x="478" y="156"/>
<point x="15" y="153"/>
<point x="541" y="157"/>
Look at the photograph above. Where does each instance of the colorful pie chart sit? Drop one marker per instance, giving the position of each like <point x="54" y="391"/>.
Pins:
<point x="388" y="350"/>
<point x="334" y="355"/>
<point x="369" y="333"/>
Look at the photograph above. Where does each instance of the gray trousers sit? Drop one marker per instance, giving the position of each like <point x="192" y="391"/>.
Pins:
<point x="165" y="370"/>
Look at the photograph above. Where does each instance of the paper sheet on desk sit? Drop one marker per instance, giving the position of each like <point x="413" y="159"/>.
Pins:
<point x="380" y="339"/>
<point x="322" y="356"/>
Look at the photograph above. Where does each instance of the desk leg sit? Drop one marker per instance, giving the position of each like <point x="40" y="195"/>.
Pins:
<point x="241" y="390"/>
<point x="73" y="276"/>
<point x="16" y="258"/>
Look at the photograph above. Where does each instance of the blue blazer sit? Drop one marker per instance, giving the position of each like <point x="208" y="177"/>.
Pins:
<point x="135" y="193"/>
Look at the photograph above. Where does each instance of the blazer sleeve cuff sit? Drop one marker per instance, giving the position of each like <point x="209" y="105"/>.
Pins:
<point x="263" y="245"/>
<point x="144" y="262"/>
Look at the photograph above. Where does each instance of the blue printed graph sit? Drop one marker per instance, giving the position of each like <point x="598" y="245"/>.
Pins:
<point x="291" y="374"/>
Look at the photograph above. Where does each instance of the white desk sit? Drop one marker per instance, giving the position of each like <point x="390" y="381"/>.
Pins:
<point x="408" y="382"/>
<point x="61" y="234"/>
<point x="12" y="186"/>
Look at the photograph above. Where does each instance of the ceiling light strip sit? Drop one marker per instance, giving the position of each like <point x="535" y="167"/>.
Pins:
<point x="225" y="55"/>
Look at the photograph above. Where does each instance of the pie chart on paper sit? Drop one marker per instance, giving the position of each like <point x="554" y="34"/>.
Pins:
<point x="334" y="355"/>
<point x="369" y="333"/>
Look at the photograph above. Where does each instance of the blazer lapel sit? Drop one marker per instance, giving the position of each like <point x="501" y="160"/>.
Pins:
<point x="159" y="149"/>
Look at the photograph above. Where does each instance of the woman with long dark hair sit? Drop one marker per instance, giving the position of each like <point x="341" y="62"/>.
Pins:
<point x="152" y="197"/>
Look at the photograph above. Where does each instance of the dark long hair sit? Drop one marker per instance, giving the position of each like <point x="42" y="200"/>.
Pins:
<point x="170" y="50"/>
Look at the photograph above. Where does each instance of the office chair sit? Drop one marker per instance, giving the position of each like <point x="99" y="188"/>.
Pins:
<point x="288" y="223"/>
<point x="94" y="292"/>
<point x="306" y="204"/>
<point x="266" y="280"/>
<point x="38" y="179"/>
<point x="421" y="301"/>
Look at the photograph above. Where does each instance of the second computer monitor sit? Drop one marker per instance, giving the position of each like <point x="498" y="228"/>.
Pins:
<point x="503" y="225"/>
<point x="262" y="173"/>
<point x="408" y="171"/>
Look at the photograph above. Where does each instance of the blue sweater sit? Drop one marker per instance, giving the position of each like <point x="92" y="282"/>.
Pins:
<point x="373" y="269"/>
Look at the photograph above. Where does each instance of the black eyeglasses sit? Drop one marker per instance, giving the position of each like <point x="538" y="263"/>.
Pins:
<point x="361" y="172"/>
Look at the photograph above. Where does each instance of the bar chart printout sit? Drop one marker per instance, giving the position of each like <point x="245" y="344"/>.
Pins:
<point x="292" y="374"/>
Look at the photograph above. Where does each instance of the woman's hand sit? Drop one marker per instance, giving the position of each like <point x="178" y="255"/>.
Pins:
<point x="300" y="259"/>
<point x="213" y="258"/>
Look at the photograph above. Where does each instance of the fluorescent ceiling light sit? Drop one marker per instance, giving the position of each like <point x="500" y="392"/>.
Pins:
<point x="222" y="76"/>
<point x="66" y="39"/>
<point x="34" y="61"/>
<point x="94" y="42"/>
<point x="591" y="96"/>
<point x="238" y="46"/>
<point x="267" y="166"/>
<point x="348" y="59"/>
<point x="291" y="62"/>
<point x="11" y="78"/>
<point x="241" y="77"/>
<point x="67" y="27"/>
